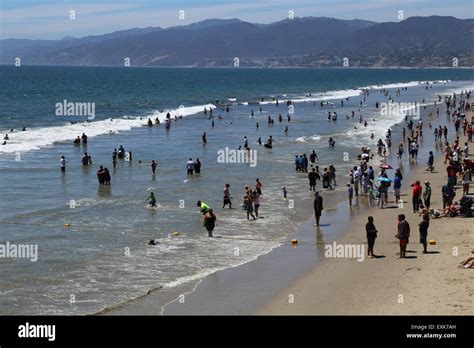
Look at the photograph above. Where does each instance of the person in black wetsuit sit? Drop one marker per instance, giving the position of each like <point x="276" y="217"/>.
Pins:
<point x="197" y="166"/>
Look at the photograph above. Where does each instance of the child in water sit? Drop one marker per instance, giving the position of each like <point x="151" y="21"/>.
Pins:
<point x="152" y="200"/>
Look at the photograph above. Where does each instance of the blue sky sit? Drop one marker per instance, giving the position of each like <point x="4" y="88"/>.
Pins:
<point x="50" y="19"/>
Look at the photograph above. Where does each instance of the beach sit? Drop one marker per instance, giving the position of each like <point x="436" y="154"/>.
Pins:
<point x="422" y="284"/>
<point x="96" y="236"/>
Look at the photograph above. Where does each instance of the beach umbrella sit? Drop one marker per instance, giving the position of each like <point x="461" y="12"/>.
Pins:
<point x="384" y="179"/>
<point x="386" y="166"/>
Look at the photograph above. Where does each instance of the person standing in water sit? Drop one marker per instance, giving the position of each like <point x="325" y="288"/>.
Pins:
<point x="312" y="180"/>
<point x="197" y="166"/>
<point x="258" y="186"/>
<point x="256" y="202"/>
<point x="152" y="200"/>
<point x="85" y="159"/>
<point x="318" y="207"/>
<point x="227" y="197"/>
<point x="248" y="204"/>
<point x="63" y="164"/>
<point x="204" y="138"/>
<point x="101" y="175"/>
<point x="210" y="222"/>
<point x="84" y="139"/>
<point x="153" y="167"/>
<point x="190" y="167"/>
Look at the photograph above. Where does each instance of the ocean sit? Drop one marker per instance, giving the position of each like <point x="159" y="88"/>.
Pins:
<point x="92" y="252"/>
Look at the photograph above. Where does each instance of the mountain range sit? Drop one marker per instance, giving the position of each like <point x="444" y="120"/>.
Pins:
<point x="308" y="41"/>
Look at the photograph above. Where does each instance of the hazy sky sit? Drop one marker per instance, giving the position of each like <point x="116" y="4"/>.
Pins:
<point x="50" y="19"/>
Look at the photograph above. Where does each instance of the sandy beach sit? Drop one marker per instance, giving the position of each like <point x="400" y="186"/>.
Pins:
<point x="420" y="284"/>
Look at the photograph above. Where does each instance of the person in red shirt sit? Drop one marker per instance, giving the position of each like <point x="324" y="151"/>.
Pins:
<point x="416" y="197"/>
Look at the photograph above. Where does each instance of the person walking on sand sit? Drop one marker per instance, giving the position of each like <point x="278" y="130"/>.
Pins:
<point x="371" y="231"/>
<point x="403" y="234"/>
<point x="424" y="224"/>
<point x="350" y="193"/>
<point x="210" y="222"/>
<point x="400" y="152"/>
<point x="318" y="207"/>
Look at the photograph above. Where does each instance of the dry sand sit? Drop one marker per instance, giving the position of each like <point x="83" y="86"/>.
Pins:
<point x="421" y="284"/>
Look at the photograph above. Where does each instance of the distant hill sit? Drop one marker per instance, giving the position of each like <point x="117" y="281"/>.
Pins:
<point x="308" y="41"/>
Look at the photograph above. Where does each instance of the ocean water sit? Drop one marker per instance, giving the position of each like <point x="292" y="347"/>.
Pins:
<point x="102" y="260"/>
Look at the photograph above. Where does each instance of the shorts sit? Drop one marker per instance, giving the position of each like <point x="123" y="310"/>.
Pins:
<point x="190" y="172"/>
<point x="396" y="191"/>
<point x="403" y="242"/>
<point x="257" y="205"/>
<point x="63" y="169"/>
<point x="423" y="240"/>
<point x="371" y="242"/>
<point x="452" y="180"/>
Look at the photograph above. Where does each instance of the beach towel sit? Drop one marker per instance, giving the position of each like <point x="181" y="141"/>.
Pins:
<point x="468" y="261"/>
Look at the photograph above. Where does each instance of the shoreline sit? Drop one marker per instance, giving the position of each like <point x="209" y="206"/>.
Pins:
<point x="412" y="286"/>
<point x="198" y="300"/>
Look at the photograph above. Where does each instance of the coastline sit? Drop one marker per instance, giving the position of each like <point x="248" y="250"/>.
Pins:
<point x="421" y="284"/>
<point x="274" y="274"/>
